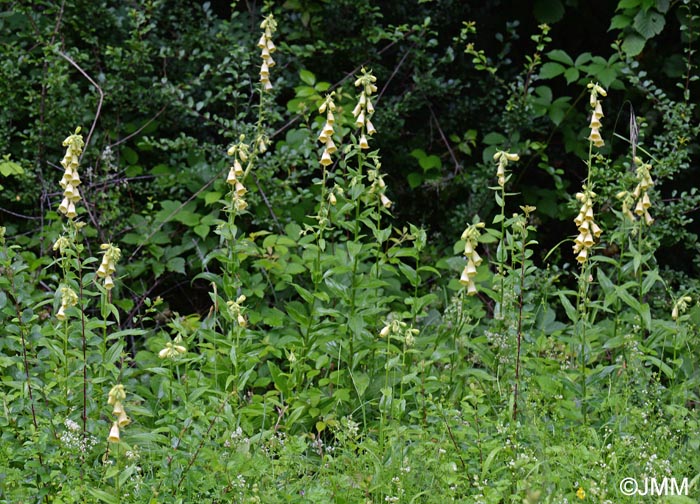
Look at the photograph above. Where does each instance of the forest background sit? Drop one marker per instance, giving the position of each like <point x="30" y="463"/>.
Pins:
<point x="255" y="302"/>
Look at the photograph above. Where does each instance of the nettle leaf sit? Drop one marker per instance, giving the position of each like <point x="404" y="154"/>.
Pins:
<point x="649" y="24"/>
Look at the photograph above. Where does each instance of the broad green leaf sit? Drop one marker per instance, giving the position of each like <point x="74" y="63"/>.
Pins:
<point x="550" y="70"/>
<point x="560" y="56"/>
<point x="494" y="138"/>
<point x="568" y="307"/>
<point x="548" y="11"/>
<point x="663" y="5"/>
<point x="8" y="167"/>
<point x="649" y="24"/>
<point x="103" y="496"/>
<point x="211" y="197"/>
<point x="633" y="44"/>
<point x="176" y="264"/>
<point x="571" y="75"/>
<point x="628" y="4"/>
<point x="409" y="273"/>
<point x="202" y="230"/>
<point x="620" y="22"/>
<point x="307" y="77"/>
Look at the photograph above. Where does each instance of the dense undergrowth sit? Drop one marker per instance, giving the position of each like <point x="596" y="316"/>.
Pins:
<point x="334" y="351"/>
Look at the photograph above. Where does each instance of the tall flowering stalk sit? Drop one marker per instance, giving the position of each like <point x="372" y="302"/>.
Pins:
<point x="588" y="231"/>
<point x="236" y="174"/>
<point x="364" y="109"/>
<point x="71" y="179"/>
<point x="117" y="394"/>
<point x="502" y="159"/>
<point x="267" y="47"/>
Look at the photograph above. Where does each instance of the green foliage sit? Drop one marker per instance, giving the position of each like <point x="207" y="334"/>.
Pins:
<point x="264" y="325"/>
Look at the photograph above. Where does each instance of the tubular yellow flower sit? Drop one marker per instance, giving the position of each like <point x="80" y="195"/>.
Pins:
<point x="465" y="279"/>
<point x="370" y="127"/>
<point x="330" y="146"/>
<point x="68" y="298"/>
<point x="363" y="142"/>
<point x="386" y="202"/>
<point x="116" y="394"/>
<point x="326" y="158"/>
<point x="118" y="408"/>
<point x="122" y="419"/>
<point x="108" y="266"/>
<point x="587" y="228"/>
<point x="114" y="433"/>
<point x="503" y="158"/>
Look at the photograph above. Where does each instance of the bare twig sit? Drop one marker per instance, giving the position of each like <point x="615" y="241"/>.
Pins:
<point x="99" y="90"/>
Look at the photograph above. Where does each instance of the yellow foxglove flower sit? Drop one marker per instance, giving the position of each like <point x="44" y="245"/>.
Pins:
<point x="370" y="128"/>
<point x="116" y="394"/>
<point x="386" y="202"/>
<point x="114" y="433"/>
<point x="465" y="279"/>
<point x="330" y="146"/>
<point x="363" y="142"/>
<point x="122" y="419"/>
<point x="231" y="179"/>
<point x="118" y="408"/>
<point x="240" y="205"/>
<point x="326" y="158"/>
<point x="582" y="256"/>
